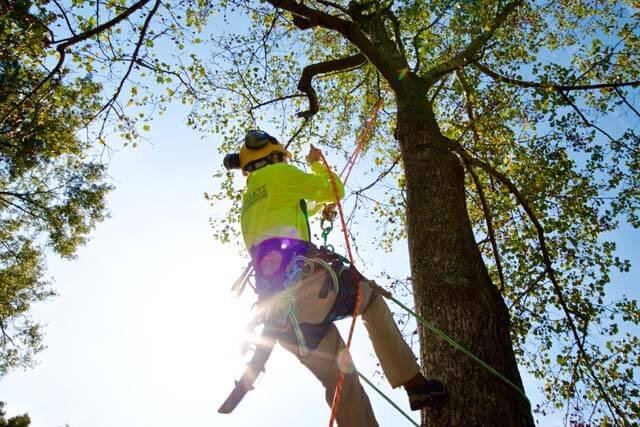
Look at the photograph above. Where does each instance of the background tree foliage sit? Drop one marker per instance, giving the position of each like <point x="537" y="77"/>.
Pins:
<point x="17" y="421"/>
<point x="543" y="114"/>
<point x="51" y="194"/>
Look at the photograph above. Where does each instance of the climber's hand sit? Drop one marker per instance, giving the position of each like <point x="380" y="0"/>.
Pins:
<point x="314" y="155"/>
<point x="329" y="212"/>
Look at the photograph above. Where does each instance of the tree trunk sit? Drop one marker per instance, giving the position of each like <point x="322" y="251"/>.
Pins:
<point x="451" y="285"/>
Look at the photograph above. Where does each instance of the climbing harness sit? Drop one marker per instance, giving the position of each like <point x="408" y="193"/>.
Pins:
<point x="284" y="304"/>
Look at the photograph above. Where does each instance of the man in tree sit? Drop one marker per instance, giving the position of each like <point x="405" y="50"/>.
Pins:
<point x="275" y="228"/>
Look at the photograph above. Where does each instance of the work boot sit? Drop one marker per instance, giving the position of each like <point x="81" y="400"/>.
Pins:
<point x="423" y="392"/>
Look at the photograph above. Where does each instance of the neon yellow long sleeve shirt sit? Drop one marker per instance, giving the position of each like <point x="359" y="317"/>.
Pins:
<point x="271" y="202"/>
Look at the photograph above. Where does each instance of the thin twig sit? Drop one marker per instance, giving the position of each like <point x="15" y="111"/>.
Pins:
<point x="416" y="37"/>
<point x="380" y="176"/>
<point x="134" y="57"/>
<point x="624" y="99"/>
<point x="489" y="221"/>
<point x="297" y="132"/>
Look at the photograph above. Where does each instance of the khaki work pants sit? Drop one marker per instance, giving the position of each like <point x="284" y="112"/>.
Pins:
<point x="396" y="358"/>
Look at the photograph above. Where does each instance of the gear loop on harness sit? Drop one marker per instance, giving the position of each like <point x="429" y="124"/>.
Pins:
<point x="284" y="303"/>
<point x="326" y="230"/>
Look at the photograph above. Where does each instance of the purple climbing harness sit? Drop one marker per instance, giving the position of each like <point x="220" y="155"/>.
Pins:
<point x="272" y="260"/>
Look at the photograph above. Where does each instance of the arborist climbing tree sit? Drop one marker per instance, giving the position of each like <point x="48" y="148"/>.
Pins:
<point x="302" y="288"/>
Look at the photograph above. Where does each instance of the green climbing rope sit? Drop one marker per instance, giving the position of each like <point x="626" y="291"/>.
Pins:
<point x="459" y="346"/>
<point x="366" y="380"/>
<point x="284" y="306"/>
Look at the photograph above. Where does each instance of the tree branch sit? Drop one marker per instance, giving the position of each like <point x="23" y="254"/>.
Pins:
<point x="65" y="43"/>
<point x="348" y="29"/>
<point x="624" y="99"/>
<point x="271" y="101"/>
<point x="467" y="92"/>
<point x="529" y="287"/>
<point x="302" y="23"/>
<point x="489" y="221"/>
<point x="586" y="121"/>
<point x="7" y="336"/>
<point x="380" y="176"/>
<point x="538" y="85"/>
<point x="416" y="37"/>
<point x="468" y="55"/>
<point x="66" y="18"/>
<point x="304" y="85"/>
<point x="334" y="5"/>
<point x="438" y="90"/>
<point x="485" y="206"/>
<point x="134" y="57"/>
<point x="604" y="58"/>
<point x="308" y="17"/>
<point x="296" y="133"/>
<point x="157" y="69"/>
<point x="22" y="209"/>
<point x="563" y="89"/>
<point x="27" y="17"/>
<point x="396" y="30"/>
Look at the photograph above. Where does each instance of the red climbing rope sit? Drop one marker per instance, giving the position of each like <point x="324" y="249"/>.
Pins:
<point x="364" y="136"/>
<point x="344" y="358"/>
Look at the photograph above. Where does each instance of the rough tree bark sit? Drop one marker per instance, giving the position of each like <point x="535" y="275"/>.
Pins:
<point x="451" y="285"/>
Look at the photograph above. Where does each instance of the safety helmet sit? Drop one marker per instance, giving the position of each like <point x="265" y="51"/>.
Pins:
<point x="257" y="148"/>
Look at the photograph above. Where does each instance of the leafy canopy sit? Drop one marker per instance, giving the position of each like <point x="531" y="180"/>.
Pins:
<point x="51" y="194"/>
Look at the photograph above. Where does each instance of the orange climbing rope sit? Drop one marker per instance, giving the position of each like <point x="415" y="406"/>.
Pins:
<point x="344" y="358"/>
<point x="364" y="136"/>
